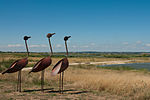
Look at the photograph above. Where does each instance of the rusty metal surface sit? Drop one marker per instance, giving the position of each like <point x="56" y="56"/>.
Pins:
<point x="45" y="62"/>
<point x="66" y="38"/>
<point x="50" y="35"/>
<point x="61" y="66"/>
<point x="26" y="37"/>
<point x="17" y="65"/>
<point x="64" y="62"/>
<point x="42" y="64"/>
<point x="64" y="65"/>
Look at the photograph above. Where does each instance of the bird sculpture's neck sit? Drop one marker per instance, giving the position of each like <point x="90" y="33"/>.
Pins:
<point x="49" y="35"/>
<point x="66" y="48"/>
<point x="27" y="48"/>
<point x="51" y="50"/>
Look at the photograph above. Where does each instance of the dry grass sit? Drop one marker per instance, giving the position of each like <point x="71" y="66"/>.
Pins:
<point x="135" y="85"/>
<point x="127" y="84"/>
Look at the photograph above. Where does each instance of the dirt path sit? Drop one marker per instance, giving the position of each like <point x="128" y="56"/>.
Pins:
<point x="96" y="63"/>
<point x="104" y="62"/>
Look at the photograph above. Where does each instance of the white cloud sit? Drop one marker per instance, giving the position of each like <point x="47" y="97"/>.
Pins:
<point x="74" y="46"/>
<point x="125" y="43"/>
<point x="138" y="42"/>
<point x="15" y="45"/>
<point x="58" y="46"/>
<point x="33" y="46"/>
<point x="148" y="45"/>
<point x="85" y="46"/>
<point x="37" y="45"/>
<point x="43" y="45"/>
<point x="92" y="44"/>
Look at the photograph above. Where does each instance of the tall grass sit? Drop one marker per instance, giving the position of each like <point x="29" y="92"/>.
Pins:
<point x="125" y="83"/>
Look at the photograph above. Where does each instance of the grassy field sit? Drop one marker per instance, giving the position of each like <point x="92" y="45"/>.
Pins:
<point x="81" y="82"/>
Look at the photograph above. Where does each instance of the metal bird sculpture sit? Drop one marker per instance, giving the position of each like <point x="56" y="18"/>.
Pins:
<point x="19" y="65"/>
<point x="43" y="63"/>
<point x="61" y="66"/>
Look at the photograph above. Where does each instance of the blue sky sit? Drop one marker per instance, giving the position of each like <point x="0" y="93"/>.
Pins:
<point x="95" y="25"/>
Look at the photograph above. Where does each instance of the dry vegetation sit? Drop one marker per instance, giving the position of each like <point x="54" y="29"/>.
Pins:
<point x="81" y="82"/>
<point x="125" y="84"/>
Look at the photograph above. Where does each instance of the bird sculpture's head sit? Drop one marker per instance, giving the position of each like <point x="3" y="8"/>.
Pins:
<point x="50" y="35"/>
<point x="66" y="38"/>
<point x="26" y="37"/>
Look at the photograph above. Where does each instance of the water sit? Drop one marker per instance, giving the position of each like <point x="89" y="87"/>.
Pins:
<point x="133" y="65"/>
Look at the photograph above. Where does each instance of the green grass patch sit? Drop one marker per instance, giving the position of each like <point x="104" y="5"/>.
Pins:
<point x="124" y="68"/>
<point x="8" y="91"/>
<point x="53" y="94"/>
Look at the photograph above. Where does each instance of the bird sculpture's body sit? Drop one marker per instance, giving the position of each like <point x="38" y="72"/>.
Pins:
<point x="61" y="66"/>
<point x="18" y="66"/>
<point x="43" y="63"/>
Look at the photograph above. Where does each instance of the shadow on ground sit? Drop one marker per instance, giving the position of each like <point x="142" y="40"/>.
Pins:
<point x="71" y="91"/>
<point x="51" y="90"/>
<point x="37" y="90"/>
<point x="79" y="92"/>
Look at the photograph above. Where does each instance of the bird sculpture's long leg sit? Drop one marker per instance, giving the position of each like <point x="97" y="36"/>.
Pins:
<point x="42" y="80"/>
<point x="62" y="81"/>
<point x="20" y="81"/>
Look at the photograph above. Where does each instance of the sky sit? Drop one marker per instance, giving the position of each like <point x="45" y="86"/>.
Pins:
<point x="95" y="25"/>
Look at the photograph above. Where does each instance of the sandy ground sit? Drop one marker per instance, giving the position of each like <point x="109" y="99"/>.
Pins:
<point x="8" y="92"/>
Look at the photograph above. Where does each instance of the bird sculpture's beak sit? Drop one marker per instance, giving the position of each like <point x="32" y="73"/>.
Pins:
<point x="53" y="33"/>
<point x="69" y="37"/>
